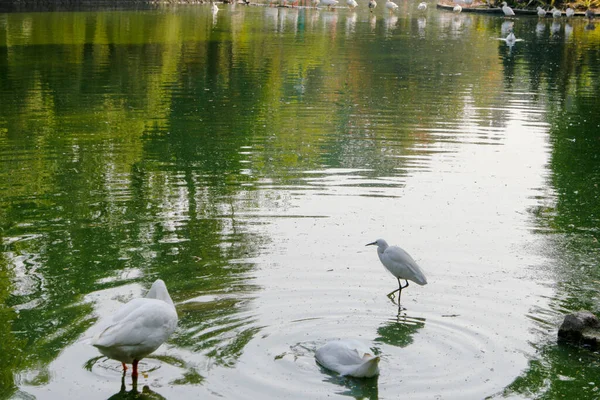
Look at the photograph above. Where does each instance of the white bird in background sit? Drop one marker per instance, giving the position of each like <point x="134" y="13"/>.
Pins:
<point x="352" y="4"/>
<point x="372" y="5"/>
<point x="541" y="12"/>
<point x="556" y="13"/>
<point x="348" y="357"/>
<point x="215" y="9"/>
<point x="422" y="6"/>
<point x="569" y="12"/>
<point x="457" y="8"/>
<point x="329" y="3"/>
<point x="400" y="264"/>
<point x="139" y="327"/>
<point x="508" y="12"/>
<point x="391" y="6"/>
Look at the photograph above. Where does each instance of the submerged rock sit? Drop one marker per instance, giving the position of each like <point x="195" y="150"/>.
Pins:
<point x="581" y="327"/>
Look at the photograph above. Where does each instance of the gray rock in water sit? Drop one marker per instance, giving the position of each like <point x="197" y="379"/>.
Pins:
<point x="581" y="327"/>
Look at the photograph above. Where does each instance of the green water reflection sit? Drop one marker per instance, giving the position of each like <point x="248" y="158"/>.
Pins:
<point x="134" y="145"/>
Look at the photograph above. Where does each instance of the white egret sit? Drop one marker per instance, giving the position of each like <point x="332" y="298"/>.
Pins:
<point x="541" y="12"/>
<point x="457" y="8"/>
<point x="348" y="357"/>
<point x="139" y="327"/>
<point x="422" y="6"/>
<point x="372" y="5"/>
<point x="569" y="12"/>
<point x="400" y="264"/>
<point x="555" y="13"/>
<point x="508" y="12"/>
<point x="352" y="4"/>
<point x="391" y="6"/>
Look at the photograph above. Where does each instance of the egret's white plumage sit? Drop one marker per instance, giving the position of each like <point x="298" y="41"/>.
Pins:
<point x="139" y="327"/>
<point x="348" y="357"/>
<point x="400" y="264"/>
<point x="569" y="12"/>
<point x="422" y="6"/>
<point x="390" y="5"/>
<point x="372" y="5"/>
<point x="556" y="13"/>
<point x="507" y="10"/>
<point x="457" y="8"/>
<point x="541" y="12"/>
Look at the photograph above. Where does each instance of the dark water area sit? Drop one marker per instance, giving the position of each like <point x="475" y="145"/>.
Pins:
<point x="247" y="156"/>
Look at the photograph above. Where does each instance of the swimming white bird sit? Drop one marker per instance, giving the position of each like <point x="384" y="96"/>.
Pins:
<point x="555" y="13"/>
<point x="400" y="264"/>
<point x="422" y="6"/>
<point x="569" y="12"/>
<point x="457" y="8"/>
<point x="348" y="357"/>
<point x="508" y="12"/>
<point x="352" y="4"/>
<point x="390" y="5"/>
<point x="372" y="5"/>
<point x="215" y="9"/>
<point x="541" y="12"/>
<point x="139" y="327"/>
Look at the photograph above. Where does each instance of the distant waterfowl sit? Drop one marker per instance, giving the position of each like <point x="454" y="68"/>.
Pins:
<point x="400" y="264"/>
<point x="139" y="327"/>
<point x="589" y="14"/>
<point x="348" y="357"/>
<point x="391" y="6"/>
<point x="215" y="9"/>
<point x="329" y="3"/>
<point x="457" y="8"/>
<point x="352" y="4"/>
<point x="372" y="5"/>
<point x="508" y="12"/>
<point x="569" y="12"/>
<point x="556" y="13"/>
<point x="422" y="6"/>
<point x="541" y="12"/>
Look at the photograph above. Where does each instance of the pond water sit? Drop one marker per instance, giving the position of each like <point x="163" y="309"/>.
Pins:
<point x="247" y="157"/>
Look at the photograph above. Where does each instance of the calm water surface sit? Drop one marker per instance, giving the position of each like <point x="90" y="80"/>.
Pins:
<point x="247" y="157"/>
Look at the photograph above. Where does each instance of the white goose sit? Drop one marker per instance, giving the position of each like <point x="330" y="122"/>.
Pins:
<point x="139" y="327"/>
<point x="348" y="357"/>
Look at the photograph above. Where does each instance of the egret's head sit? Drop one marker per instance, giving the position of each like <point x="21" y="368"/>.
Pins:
<point x="379" y="243"/>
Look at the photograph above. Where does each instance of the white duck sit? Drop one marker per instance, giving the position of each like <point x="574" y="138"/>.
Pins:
<point x="422" y="6"/>
<point x="508" y="12"/>
<point x="457" y="8"/>
<point x="352" y="4"/>
<point x="348" y="357"/>
<point x="139" y="327"/>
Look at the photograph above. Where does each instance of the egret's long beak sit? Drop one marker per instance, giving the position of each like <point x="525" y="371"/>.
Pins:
<point x="370" y="244"/>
